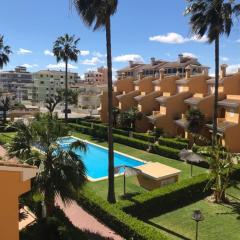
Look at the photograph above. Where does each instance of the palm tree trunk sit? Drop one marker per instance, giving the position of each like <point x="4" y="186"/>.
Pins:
<point x="215" y="110"/>
<point x="4" y="115"/>
<point x="111" y="192"/>
<point x="66" y="91"/>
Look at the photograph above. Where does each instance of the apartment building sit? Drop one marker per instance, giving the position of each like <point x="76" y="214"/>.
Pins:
<point x="19" y="82"/>
<point x="47" y="82"/>
<point x="165" y="97"/>
<point x="96" y="77"/>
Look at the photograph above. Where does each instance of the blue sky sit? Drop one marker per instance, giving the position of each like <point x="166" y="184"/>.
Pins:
<point x="140" y="30"/>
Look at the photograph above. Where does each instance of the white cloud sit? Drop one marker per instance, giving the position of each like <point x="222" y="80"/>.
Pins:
<point x="188" y="54"/>
<point x="85" y="52"/>
<point x="23" y="51"/>
<point x="128" y="57"/>
<point x="98" y="54"/>
<point x="48" y="53"/>
<point x="93" y="61"/>
<point x="61" y="65"/>
<point x="224" y="59"/>
<point x="175" y="38"/>
<point x="29" y="65"/>
<point x="233" y="68"/>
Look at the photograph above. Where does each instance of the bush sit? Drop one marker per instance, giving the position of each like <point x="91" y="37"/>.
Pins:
<point x="166" y="151"/>
<point x="121" y="132"/>
<point x="124" y="224"/>
<point x="168" y="198"/>
<point x="172" y="143"/>
<point x="144" y="137"/>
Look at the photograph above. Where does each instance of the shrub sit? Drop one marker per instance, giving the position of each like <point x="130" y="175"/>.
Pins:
<point x="165" y="151"/>
<point x="121" y="132"/>
<point x="172" y="143"/>
<point x="124" y="224"/>
<point x="168" y="198"/>
<point x="144" y="137"/>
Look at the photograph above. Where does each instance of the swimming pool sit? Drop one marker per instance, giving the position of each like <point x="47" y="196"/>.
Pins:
<point x="96" y="159"/>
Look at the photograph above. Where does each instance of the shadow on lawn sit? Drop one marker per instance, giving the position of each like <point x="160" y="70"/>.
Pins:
<point x="168" y="230"/>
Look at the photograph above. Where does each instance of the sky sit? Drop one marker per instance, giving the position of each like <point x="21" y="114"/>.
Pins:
<point x="140" y="30"/>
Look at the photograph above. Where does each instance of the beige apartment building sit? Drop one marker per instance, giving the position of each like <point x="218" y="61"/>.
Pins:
<point x="165" y="94"/>
<point x="47" y="82"/>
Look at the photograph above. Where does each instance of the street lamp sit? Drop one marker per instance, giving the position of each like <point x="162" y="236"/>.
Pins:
<point x="198" y="217"/>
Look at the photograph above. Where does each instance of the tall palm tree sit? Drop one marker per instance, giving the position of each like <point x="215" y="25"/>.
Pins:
<point x="97" y="13"/>
<point x="61" y="171"/>
<point x="213" y="18"/>
<point x="65" y="49"/>
<point x="5" y="51"/>
<point x="5" y="106"/>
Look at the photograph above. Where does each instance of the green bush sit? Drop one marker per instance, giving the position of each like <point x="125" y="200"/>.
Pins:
<point x="172" y="143"/>
<point x="166" y="151"/>
<point x="124" y="224"/>
<point x="144" y="137"/>
<point x="168" y="198"/>
<point x="121" y="132"/>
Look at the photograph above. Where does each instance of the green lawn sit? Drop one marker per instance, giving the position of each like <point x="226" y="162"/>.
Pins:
<point x="221" y="221"/>
<point x="100" y="187"/>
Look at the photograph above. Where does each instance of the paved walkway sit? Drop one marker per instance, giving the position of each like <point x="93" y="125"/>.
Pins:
<point x="83" y="220"/>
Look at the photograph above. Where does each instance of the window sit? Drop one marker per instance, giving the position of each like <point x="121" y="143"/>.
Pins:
<point x="41" y="75"/>
<point x="51" y="76"/>
<point x="42" y="82"/>
<point x="61" y="76"/>
<point x="46" y="88"/>
<point x="52" y="88"/>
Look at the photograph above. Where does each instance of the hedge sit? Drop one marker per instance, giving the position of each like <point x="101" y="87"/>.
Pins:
<point x="100" y="132"/>
<point x="139" y="144"/>
<point x="168" y="198"/>
<point x="144" y="137"/>
<point x="122" y="223"/>
<point x="172" y="143"/>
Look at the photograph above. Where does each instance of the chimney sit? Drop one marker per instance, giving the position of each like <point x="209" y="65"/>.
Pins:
<point x="153" y="60"/>
<point x="140" y="75"/>
<point x="188" y="72"/>
<point x="131" y="63"/>
<point x="205" y="71"/>
<point x="180" y="58"/>
<point x="223" y="70"/>
<point x="162" y="71"/>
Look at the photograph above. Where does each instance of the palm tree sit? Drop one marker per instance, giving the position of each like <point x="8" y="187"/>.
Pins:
<point x="61" y="171"/>
<point x="97" y="13"/>
<point x="213" y="18"/>
<point x="65" y="49"/>
<point x="5" y="51"/>
<point x="5" y="106"/>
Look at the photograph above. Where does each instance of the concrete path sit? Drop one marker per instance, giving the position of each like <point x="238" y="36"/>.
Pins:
<point x="84" y="221"/>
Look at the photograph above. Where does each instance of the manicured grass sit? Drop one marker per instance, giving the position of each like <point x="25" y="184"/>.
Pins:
<point x="100" y="187"/>
<point x="221" y="220"/>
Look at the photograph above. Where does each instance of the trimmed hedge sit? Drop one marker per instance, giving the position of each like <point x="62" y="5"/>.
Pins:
<point x="144" y="137"/>
<point x="100" y="131"/>
<point x="124" y="224"/>
<point x="154" y="203"/>
<point x="172" y="143"/>
<point x="139" y="144"/>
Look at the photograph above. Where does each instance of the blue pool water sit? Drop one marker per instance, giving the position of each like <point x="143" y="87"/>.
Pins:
<point x="96" y="159"/>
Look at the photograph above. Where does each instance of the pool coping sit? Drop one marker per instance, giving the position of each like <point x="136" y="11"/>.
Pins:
<point x="123" y="154"/>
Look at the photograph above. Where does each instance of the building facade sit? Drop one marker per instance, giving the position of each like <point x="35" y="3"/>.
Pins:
<point x="47" y="82"/>
<point x="165" y="97"/>
<point x="96" y="77"/>
<point x="18" y="82"/>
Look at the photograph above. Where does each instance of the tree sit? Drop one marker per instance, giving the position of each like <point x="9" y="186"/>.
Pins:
<point x="221" y="164"/>
<point x="97" y="13"/>
<point x="5" y="51"/>
<point x="65" y="49"/>
<point x="116" y="113"/>
<point x="195" y="120"/>
<point x="61" y="171"/>
<point x="5" y="106"/>
<point x="212" y="18"/>
<point x="52" y="102"/>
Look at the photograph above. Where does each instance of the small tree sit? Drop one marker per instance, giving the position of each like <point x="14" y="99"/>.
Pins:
<point x="116" y="113"/>
<point x="52" y="102"/>
<point x="195" y="120"/>
<point x="221" y="166"/>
